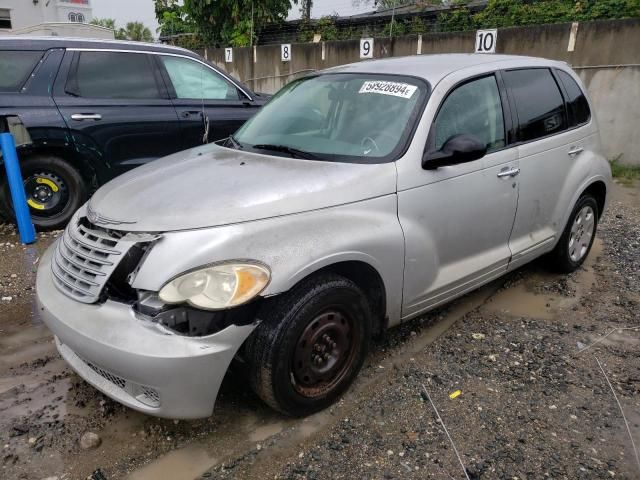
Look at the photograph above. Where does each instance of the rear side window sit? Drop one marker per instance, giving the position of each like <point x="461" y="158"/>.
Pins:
<point x="539" y="104"/>
<point x="113" y="75"/>
<point x="576" y="102"/>
<point x="15" y="68"/>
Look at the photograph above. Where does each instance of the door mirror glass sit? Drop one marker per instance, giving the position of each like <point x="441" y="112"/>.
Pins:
<point x="457" y="149"/>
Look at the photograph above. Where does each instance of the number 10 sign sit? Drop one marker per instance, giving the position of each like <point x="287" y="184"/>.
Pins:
<point x="486" y="41"/>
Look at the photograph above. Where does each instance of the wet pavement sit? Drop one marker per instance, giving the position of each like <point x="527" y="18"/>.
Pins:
<point x="532" y="405"/>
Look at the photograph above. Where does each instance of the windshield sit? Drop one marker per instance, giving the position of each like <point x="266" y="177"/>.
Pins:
<point x="340" y="117"/>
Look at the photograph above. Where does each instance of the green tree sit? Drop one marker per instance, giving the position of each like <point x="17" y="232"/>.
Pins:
<point x="172" y="18"/>
<point x="229" y="22"/>
<point x="104" y="22"/>
<point x="135" y="31"/>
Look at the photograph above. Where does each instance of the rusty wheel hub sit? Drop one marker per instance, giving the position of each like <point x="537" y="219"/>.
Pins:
<point x="323" y="354"/>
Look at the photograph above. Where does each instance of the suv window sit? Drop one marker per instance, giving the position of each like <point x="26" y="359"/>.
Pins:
<point x="473" y="108"/>
<point x="15" y="68"/>
<point x="576" y="102"/>
<point x="193" y="80"/>
<point x="113" y="75"/>
<point x="539" y="104"/>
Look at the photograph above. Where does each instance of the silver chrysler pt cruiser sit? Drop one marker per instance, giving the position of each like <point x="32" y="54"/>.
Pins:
<point x="357" y="198"/>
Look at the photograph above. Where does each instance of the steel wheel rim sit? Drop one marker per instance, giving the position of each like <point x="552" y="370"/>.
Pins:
<point x="581" y="234"/>
<point x="46" y="193"/>
<point x="324" y="353"/>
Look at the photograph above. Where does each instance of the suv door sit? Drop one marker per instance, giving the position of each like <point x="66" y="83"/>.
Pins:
<point x="117" y="107"/>
<point x="550" y="142"/>
<point x="210" y="106"/>
<point x="457" y="219"/>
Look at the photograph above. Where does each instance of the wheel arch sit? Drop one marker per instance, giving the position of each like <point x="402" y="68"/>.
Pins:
<point x="365" y="276"/>
<point x="598" y="190"/>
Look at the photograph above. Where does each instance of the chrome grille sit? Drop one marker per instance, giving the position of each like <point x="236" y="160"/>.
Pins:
<point x="85" y="258"/>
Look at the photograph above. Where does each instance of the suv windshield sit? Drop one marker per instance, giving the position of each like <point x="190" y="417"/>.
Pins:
<point x="343" y="117"/>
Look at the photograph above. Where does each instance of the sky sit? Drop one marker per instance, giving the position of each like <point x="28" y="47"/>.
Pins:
<point x="124" y="11"/>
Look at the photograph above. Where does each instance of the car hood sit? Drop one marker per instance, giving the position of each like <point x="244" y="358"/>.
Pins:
<point x="211" y="185"/>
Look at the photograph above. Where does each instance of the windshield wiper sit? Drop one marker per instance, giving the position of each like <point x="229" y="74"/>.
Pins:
<point x="294" y="152"/>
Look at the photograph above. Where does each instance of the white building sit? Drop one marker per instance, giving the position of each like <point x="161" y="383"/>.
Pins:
<point x="49" y="17"/>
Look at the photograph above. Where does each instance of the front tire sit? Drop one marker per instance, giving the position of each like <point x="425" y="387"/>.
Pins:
<point x="577" y="238"/>
<point x="310" y="345"/>
<point x="54" y="189"/>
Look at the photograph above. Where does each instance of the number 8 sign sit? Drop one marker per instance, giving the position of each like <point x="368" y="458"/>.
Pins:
<point x="285" y="52"/>
<point x="486" y="41"/>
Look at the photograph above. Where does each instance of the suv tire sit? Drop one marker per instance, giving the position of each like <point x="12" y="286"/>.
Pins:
<point x="54" y="189"/>
<point x="310" y="345"/>
<point x="577" y="238"/>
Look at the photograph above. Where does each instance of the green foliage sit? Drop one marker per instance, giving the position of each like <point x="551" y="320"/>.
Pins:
<point x="625" y="174"/>
<point x="228" y="22"/>
<point x="135" y="31"/>
<point x="394" y="29"/>
<point x="507" y="13"/>
<point x="416" y="26"/>
<point x="104" y="22"/>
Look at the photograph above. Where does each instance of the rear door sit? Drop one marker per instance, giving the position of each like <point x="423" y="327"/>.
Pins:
<point x="210" y="106"/>
<point x="548" y="146"/>
<point x="116" y="105"/>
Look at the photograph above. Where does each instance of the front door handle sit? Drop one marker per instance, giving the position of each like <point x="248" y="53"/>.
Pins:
<point x="86" y="116"/>
<point x="574" y="151"/>
<point x="511" y="172"/>
<point x="189" y="113"/>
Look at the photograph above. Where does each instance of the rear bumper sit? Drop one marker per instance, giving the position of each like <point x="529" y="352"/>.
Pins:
<point x="134" y="361"/>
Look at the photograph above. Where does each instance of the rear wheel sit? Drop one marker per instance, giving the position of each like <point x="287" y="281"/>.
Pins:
<point x="54" y="191"/>
<point x="578" y="236"/>
<point x="310" y="345"/>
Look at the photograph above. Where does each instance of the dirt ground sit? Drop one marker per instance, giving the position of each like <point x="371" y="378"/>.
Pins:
<point x="523" y="351"/>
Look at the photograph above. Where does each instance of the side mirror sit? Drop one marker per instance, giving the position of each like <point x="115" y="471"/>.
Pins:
<point x="457" y="149"/>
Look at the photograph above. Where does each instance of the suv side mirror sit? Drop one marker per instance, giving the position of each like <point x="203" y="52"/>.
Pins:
<point x="457" y="149"/>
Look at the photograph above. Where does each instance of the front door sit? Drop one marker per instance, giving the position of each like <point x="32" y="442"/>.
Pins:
<point x="117" y="108"/>
<point x="457" y="219"/>
<point x="210" y="107"/>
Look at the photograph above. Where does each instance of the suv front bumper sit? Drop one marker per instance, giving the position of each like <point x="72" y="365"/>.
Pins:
<point x="135" y="361"/>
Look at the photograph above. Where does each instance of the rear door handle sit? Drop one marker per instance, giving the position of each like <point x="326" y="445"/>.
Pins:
<point x="511" y="172"/>
<point x="86" y="116"/>
<point x="574" y="151"/>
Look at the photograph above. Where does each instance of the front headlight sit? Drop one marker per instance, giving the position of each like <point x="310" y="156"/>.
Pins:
<point x="218" y="286"/>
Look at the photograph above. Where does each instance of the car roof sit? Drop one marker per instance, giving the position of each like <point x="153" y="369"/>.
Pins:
<point x="434" y="68"/>
<point x="45" y="43"/>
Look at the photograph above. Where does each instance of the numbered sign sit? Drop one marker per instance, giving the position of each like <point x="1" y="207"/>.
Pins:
<point x="285" y="52"/>
<point x="228" y="55"/>
<point x="486" y="41"/>
<point x="366" y="48"/>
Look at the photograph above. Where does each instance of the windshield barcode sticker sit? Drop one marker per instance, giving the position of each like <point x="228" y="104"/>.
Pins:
<point x="396" y="89"/>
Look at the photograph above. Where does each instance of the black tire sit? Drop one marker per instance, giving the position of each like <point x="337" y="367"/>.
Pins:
<point x="275" y="349"/>
<point x="560" y="258"/>
<point x="70" y="193"/>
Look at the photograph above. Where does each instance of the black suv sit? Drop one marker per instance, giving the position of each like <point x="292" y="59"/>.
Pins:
<point x="84" y="111"/>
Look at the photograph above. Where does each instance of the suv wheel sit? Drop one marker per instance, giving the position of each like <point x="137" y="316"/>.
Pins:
<point x="54" y="191"/>
<point x="310" y="345"/>
<point x="578" y="236"/>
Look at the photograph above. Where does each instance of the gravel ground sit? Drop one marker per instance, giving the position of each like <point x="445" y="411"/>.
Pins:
<point x="533" y="402"/>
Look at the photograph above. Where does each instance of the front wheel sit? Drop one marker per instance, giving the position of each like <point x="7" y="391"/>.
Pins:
<point x="310" y="345"/>
<point x="54" y="190"/>
<point x="578" y="236"/>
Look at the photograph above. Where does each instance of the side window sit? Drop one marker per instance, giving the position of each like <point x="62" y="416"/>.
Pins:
<point x="193" y="80"/>
<point x="473" y="108"/>
<point x="113" y="75"/>
<point x="576" y="102"/>
<point x="539" y="104"/>
<point x="15" y="68"/>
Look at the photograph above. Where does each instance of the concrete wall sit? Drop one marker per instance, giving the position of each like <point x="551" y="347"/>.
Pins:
<point x="606" y="55"/>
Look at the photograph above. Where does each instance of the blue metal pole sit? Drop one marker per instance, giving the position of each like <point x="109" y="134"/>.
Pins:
<point x="18" y="197"/>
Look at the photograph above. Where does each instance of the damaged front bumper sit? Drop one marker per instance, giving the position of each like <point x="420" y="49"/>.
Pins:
<point x="137" y="362"/>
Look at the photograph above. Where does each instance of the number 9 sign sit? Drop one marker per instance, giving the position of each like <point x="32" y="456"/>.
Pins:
<point x="366" y="48"/>
<point x="486" y="41"/>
